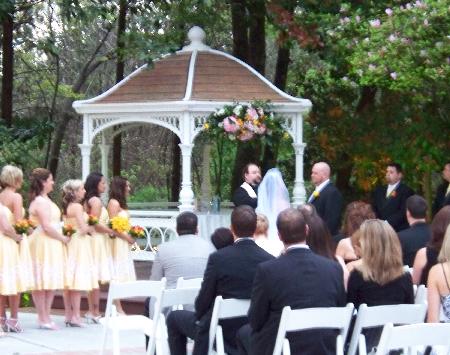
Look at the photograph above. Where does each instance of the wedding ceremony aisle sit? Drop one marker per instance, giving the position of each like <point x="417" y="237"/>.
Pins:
<point x="66" y="341"/>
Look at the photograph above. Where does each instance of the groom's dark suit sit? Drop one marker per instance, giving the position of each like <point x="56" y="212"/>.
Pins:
<point x="229" y="273"/>
<point x="300" y="279"/>
<point x="393" y="207"/>
<point x="329" y="206"/>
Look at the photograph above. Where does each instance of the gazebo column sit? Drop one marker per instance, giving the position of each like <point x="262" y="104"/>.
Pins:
<point x="85" y="159"/>
<point x="186" y="193"/>
<point x="104" y="150"/>
<point x="299" y="193"/>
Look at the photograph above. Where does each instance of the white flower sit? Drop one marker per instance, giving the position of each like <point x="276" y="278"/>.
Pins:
<point x="221" y="112"/>
<point x="357" y="18"/>
<point x="231" y="137"/>
<point x="372" y="67"/>
<point x="375" y="23"/>
<point x="344" y="78"/>
<point x="220" y="124"/>
<point x="237" y="110"/>
<point x="393" y="75"/>
<point x="423" y="53"/>
<point x="425" y="22"/>
<point x="388" y="11"/>
<point x="392" y="38"/>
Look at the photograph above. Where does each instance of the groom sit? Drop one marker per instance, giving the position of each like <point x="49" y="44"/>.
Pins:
<point x="246" y="193"/>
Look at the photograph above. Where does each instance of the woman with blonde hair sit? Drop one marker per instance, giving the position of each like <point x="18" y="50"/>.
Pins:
<point x="261" y="236"/>
<point x="11" y="179"/>
<point x="439" y="284"/>
<point x="379" y="279"/>
<point x="80" y="275"/>
<point x="48" y="253"/>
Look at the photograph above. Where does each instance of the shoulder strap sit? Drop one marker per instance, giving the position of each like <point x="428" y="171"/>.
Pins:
<point x="445" y="276"/>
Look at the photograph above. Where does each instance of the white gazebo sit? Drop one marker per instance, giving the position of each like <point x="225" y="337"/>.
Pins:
<point x="178" y="93"/>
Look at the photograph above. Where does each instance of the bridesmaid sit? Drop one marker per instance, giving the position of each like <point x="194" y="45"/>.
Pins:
<point x="10" y="284"/>
<point x="117" y="206"/>
<point x="11" y="179"/>
<point x="100" y="242"/>
<point x="47" y="249"/>
<point x="80" y="275"/>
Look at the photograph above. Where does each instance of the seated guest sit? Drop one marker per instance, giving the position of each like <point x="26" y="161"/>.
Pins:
<point x="439" y="284"/>
<point x="222" y="237"/>
<point x="261" y="237"/>
<point x="427" y="257"/>
<point x="355" y="214"/>
<point x="229" y="273"/>
<point x="443" y="191"/>
<point x="418" y="234"/>
<point x="379" y="279"/>
<point x="186" y="256"/>
<point x="298" y="278"/>
<point x="319" y="239"/>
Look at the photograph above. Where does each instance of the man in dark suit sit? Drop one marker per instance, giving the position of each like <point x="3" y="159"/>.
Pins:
<point x="229" y="273"/>
<point x="299" y="279"/>
<point x="389" y="202"/>
<point x="326" y="198"/>
<point x="418" y="234"/>
<point x="443" y="191"/>
<point x="246" y="194"/>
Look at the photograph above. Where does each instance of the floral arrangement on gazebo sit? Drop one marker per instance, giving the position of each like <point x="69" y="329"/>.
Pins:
<point x="245" y="123"/>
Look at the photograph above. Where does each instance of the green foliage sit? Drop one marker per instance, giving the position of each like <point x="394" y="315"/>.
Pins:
<point x="149" y="194"/>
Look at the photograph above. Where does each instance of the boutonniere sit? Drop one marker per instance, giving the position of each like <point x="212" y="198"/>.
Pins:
<point x="393" y="194"/>
<point x="316" y="194"/>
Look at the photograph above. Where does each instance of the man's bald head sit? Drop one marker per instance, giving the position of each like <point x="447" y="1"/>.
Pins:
<point x="320" y="172"/>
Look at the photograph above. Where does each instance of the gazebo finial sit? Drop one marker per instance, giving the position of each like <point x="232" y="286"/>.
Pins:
<point x="196" y="36"/>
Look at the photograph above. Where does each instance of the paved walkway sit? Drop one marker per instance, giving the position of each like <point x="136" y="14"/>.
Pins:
<point x="65" y="341"/>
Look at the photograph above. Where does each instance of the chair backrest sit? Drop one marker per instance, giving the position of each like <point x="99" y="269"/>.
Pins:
<point x="312" y="318"/>
<point x="421" y="295"/>
<point x="380" y="315"/>
<point x="223" y="309"/>
<point x="424" y="334"/>
<point x="141" y="288"/>
<point x="183" y="283"/>
<point x="176" y="296"/>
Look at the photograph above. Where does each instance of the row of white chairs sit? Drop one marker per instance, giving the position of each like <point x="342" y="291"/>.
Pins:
<point x="291" y="320"/>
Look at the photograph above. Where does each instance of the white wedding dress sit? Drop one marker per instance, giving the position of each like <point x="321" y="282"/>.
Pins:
<point x="273" y="197"/>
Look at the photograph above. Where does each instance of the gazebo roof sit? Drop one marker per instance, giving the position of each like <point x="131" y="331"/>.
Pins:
<point x="196" y="73"/>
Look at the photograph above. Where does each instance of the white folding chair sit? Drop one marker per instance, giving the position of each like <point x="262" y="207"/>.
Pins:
<point x="183" y="283"/>
<point x="313" y="318"/>
<point x="421" y="295"/>
<point x="224" y="309"/>
<point x="369" y="317"/>
<point x="116" y="322"/>
<point x="172" y="297"/>
<point x="414" y="336"/>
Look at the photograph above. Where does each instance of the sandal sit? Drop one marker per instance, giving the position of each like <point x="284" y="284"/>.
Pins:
<point x="13" y="325"/>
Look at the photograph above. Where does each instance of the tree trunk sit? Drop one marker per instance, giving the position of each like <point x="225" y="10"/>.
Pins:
<point x="8" y="68"/>
<point x="257" y="35"/>
<point x="120" y="70"/>
<point x="176" y="169"/>
<point x="281" y="70"/>
<point x="240" y="30"/>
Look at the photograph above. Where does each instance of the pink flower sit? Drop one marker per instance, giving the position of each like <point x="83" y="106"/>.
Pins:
<point x="393" y="75"/>
<point x="375" y="23"/>
<point x="392" y="38"/>
<point x="245" y="136"/>
<point x="229" y="124"/>
<point x="252" y="113"/>
<point x="260" y="129"/>
<point x="357" y="18"/>
<point x="389" y="11"/>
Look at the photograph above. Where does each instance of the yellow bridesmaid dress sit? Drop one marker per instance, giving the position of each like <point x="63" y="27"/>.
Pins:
<point x="26" y="262"/>
<point x="48" y="255"/>
<point x="102" y="251"/>
<point x="123" y="262"/>
<point x="10" y="265"/>
<point x="80" y="270"/>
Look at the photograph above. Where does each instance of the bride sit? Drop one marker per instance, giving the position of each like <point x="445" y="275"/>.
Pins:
<point x="273" y="197"/>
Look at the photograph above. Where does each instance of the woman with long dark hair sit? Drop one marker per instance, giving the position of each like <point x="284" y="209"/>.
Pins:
<point x="95" y="185"/>
<point x="47" y="249"/>
<point x="122" y="260"/>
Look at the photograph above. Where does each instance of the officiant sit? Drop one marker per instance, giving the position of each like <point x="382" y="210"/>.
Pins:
<point x="246" y="194"/>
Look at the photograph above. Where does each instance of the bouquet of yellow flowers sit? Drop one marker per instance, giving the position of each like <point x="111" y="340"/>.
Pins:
<point x="92" y="220"/>
<point x="31" y="224"/>
<point x="68" y="230"/>
<point x="120" y="224"/>
<point x="22" y="226"/>
<point x="137" y="232"/>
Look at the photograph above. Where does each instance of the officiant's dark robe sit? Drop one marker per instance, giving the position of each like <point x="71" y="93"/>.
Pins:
<point x="241" y="197"/>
